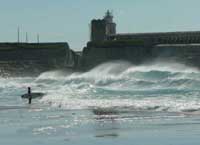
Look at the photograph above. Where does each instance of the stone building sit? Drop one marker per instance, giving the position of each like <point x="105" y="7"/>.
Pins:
<point x="105" y="29"/>
<point x="102" y="28"/>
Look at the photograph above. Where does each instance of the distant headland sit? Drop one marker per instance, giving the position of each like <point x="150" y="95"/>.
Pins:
<point x="105" y="45"/>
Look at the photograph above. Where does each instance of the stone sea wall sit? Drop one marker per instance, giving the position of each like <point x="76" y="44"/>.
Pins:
<point x="137" y="54"/>
<point x="33" y="58"/>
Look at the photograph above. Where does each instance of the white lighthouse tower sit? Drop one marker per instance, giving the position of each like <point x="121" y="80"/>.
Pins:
<point x="101" y="28"/>
<point x="110" y="25"/>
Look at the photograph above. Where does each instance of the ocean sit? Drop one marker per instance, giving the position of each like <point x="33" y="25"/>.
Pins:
<point x="114" y="103"/>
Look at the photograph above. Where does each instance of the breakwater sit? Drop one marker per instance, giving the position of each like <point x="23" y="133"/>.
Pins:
<point x="138" y="48"/>
<point x="138" y="53"/>
<point x="34" y="58"/>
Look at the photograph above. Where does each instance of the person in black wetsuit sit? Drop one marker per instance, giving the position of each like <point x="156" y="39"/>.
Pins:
<point x="30" y="96"/>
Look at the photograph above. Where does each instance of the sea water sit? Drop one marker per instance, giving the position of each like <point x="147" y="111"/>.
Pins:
<point x="115" y="103"/>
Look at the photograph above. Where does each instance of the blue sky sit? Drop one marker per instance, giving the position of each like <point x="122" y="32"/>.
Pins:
<point x="68" y="20"/>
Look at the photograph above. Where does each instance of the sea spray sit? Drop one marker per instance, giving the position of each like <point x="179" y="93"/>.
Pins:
<point x="159" y="86"/>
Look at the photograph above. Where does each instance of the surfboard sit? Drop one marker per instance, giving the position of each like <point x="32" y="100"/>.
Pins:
<point x="33" y="95"/>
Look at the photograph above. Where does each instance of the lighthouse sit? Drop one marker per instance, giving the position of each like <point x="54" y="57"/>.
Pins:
<point x="110" y="25"/>
<point x="102" y="28"/>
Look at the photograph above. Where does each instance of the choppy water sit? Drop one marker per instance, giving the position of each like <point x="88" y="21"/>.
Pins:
<point x="114" y="103"/>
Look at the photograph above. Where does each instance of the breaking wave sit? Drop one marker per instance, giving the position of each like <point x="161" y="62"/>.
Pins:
<point x="158" y="86"/>
<point x="169" y="87"/>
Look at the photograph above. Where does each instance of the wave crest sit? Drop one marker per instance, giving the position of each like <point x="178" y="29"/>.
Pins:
<point x="157" y="86"/>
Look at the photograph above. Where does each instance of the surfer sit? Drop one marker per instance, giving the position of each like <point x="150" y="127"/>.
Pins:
<point x="29" y="95"/>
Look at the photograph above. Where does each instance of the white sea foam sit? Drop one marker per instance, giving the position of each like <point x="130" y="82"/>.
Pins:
<point x="52" y="75"/>
<point x="162" y="86"/>
<point x="153" y="104"/>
